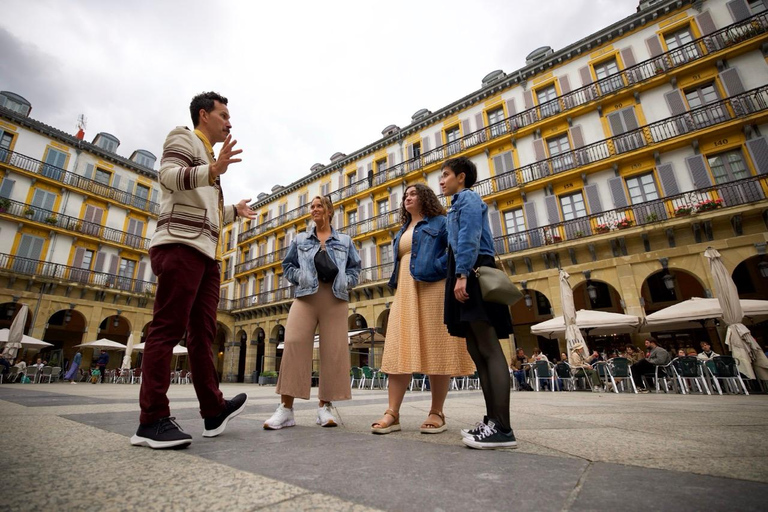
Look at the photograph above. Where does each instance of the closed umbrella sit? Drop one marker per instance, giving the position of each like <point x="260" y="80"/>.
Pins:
<point x="738" y="338"/>
<point x="127" y="357"/>
<point x="16" y="333"/>
<point x="573" y="335"/>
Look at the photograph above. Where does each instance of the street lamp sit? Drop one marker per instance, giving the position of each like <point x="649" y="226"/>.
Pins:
<point x="527" y="296"/>
<point x="763" y="268"/>
<point x="592" y="291"/>
<point x="669" y="282"/>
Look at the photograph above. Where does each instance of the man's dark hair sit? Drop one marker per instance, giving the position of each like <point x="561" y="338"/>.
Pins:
<point x="205" y="101"/>
<point x="651" y="339"/>
<point x="464" y="165"/>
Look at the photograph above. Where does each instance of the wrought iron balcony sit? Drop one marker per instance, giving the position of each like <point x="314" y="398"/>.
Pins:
<point x="686" y="204"/>
<point x="225" y="304"/>
<point x="46" y="269"/>
<point x="261" y="299"/>
<point x="66" y="222"/>
<point x="377" y="273"/>
<point x="624" y="79"/>
<point x="273" y="223"/>
<point x="260" y="261"/>
<point x="713" y="114"/>
<point x="90" y="186"/>
<point x="381" y="221"/>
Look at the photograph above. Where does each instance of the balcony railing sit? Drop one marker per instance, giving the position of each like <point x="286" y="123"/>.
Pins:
<point x="381" y="221"/>
<point x="742" y="105"/>
<point x="34" y="213"/>
<point x="43" y="269"/>
<point x="273" y="223"/>
<point x="76" y="181"/>
<point x="225" y="304"/>
<point x="377" y="273"/>
<point x="692" y="203"/>
<point x="263" y="298"/>
<point x="260" y="261"/>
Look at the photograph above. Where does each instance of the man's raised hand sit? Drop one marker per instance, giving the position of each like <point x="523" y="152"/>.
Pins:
<point x="225" y="157"/>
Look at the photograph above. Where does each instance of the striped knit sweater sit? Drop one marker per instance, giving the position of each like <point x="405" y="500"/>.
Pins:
<point x="190" y="207"/>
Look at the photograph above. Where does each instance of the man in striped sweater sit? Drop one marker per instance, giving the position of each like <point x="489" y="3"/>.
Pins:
<point x="186" y="258"/>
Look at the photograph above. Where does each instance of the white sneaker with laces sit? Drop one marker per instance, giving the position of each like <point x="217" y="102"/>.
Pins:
<point x="325" y="416"/>
<point x="282" y="418"/>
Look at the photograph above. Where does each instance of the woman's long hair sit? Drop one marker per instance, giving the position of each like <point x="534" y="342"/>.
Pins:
<point x="430" y="204"/>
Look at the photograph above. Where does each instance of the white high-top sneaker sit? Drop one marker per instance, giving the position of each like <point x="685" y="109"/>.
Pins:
<point x="282" y="418"/>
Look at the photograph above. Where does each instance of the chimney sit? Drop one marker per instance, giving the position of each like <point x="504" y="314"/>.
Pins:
<point x="80" y="134"/>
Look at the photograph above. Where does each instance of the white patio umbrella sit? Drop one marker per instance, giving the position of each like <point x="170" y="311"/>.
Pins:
<point x="591" y="321"/>
<point x="104" y="344"/>
<point x="692" y="313"/>
<point x="738" y="338"/>
<point x="26" y="341"/>
<point x="16" y="333"/>
<point x="178" y="350"/>
<point x="127" y="357"/>
<point x="573" y="335"/>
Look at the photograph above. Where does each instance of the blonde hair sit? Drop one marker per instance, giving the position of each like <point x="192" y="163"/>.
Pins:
<point x="327" y="204"/>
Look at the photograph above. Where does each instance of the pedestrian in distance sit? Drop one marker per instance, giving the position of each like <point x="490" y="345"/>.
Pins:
<point x="417" y="339"/>
<point x="324" y="265"/>
<point x="71" y="375"/>
<point x="185" y="255"/>
<point x="466" y="314"/>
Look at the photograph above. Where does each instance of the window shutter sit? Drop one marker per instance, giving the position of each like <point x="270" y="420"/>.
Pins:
<point x="341" y="185"/>
<point x="465" y="128"/>
<point x="424" y="145"/>
<point x="511" y="109"/>
<point x="360" y="174"/>
<point x="654" y="46"/>
<point x="553" y="213"/>
<point x="479" y="121"/>
<point x="577" y="136"/>
<point x="116" y="181"/>
<point x="506" y="159"/>
<point x="6" y="188"/>
<point x="77" y="262"/>
<point x="675" y="102"/>
<point x="565" y="84"/>
<point x="391" y="159"/>
<point x="732" y="82"/>
<point x="131" y="226"/>
<point x="130" y="186"/>
<point x="98" y="213"/>
<point x="113" y="264"/>
<point x="99" y="265"/>
<point x="586" y="76"/>
<point x="614" y="121"/>
<point x="758" y="150"/>
<point x="49" y="200"/>
<point x="495" y="224"/>
<point x="24" y="246"/>
<point x="593" y="198"/>
<point x="617" y="192"/>
<point x="154" y="195"/>
<point x="438" y="139"/>
<point x="538" y="149"/>
<point x="89" y="171"/>
<point x="36" y="251"/>
<point x="530" y="215"/>
<point x="393" y="206"/>
<point x="498" y="165"/>
<point x="528" y="99"/>
<point x="739" y="10"/>
<point x="630" y="121"/>
<point x="138" y="228"/>
<point x="698" y="170"/>
<point x="668" y="179"/>
<point x="628" y="57"/>
<point x="409" y="149"/>
<point x="364" y="259"/>
<point x="372" y="255"/>
<point x="706" y="25"/>
<point x="142" y="269"/>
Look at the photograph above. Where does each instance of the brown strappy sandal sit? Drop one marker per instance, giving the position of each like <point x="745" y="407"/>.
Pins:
<point x="393" y="427"/>
<point x="430" y="428"/>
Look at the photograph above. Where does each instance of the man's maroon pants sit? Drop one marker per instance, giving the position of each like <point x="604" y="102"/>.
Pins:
<point x="186" y="301"/>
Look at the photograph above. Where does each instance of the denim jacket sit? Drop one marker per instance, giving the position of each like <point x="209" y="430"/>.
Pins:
<point x="469" y="233"/>
<point x="299" y="263"/>
<point x="429" y="251"/>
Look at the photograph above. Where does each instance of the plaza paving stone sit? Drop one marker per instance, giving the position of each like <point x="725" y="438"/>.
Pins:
<point x="67" y="447"/>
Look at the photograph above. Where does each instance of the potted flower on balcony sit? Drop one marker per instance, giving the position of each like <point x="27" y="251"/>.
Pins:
<point x="682" y="211"/>
<point x="651" y="217"/>
<point x="267" y="378"/>
<point x="602" y="228"/>
<point x="708" y="205"/>
<point x="578" y="234"/>
<point x="5" y="204"/>
<point x="51" y="219"/>
<point x="624" y="224"/>
<point x="29" y="212"/>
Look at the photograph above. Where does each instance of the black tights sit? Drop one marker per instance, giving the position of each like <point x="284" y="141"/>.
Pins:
<point x="484" y="347"/>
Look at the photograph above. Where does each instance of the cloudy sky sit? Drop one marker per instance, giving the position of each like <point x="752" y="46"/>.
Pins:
<point x="304" y="79"/>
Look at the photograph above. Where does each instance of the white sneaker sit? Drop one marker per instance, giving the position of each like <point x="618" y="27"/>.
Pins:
<point x="597" y="389"/>
<point x="325" y="416"/>
<point x="282" y="418"/>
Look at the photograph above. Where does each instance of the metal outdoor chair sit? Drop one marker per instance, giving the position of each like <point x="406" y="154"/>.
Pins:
<point x="565" y="375"/>
<point x="620" y="370"/>
<point x="45" y="373"/>
<point x="601" y="367"/>
<point x="13" y="374"/>
<point x="418" y="380"/>
<point x="32" y="373"/>
<point x="542" y="370"/>
<point x="691" y="372"/>
<point x="136" y="375"/>
<point x="727" y="372"/>
<point x="666" y="373"/>
<point x="183" y="377"/>
<point x="357" y="375"/>
<point x="367" y="376"/>
<point x="121" y="375"/>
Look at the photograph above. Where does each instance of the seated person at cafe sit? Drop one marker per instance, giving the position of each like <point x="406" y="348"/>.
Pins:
<point x="595" y="357"/>
<point x="577" y="360"/>
<point x="517" y="366"/>
<point x="538" y="356"/>
<point x="706" y="353"/>
<point x="656" y="356"/>
<point x="633" y="354"/>
<point x="39" y="364"/>
<point x="6" y="365"/>
<point x="691" y="352"/>
<point x="681" y="352"/>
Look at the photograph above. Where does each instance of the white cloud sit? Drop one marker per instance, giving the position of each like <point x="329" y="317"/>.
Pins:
<point x="304" y="79"/>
